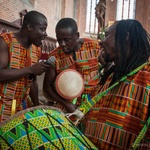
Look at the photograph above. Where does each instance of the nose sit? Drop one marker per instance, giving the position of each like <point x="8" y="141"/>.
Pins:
<point x="101" y="42"/>
<point x="45" y="34"/>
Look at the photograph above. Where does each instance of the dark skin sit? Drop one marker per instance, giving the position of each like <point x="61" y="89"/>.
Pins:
<point x="110" y="53"/>
<point x="101" y="59"/>
<point x="69" y="43"/>
<point x="27" y="35"/>
<point x="108" y="45"/>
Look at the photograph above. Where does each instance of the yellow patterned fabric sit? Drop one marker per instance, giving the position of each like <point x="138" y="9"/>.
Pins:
<point x="17" y="90"/>
<point x="42" y="128"/>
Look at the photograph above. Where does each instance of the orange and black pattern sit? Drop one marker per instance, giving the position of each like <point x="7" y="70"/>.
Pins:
<point x="86" y="64"/>
<point x="19" y="90"/>
<point x="117" y="119"/>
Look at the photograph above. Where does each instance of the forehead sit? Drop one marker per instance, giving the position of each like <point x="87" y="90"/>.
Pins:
<point x="40" y="21"/>
<point x="112" y="29"/>
<point x="61" y="32"/>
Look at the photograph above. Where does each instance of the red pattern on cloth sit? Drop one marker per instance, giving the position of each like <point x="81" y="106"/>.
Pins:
<point x="117" y="119"/>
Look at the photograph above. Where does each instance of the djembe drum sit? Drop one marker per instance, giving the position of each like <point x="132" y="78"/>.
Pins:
<point x="69" y="84"/>
<point x="43" y="128"/>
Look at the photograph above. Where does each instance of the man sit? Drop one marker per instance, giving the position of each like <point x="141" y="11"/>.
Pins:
<point x="80" y="55"/>
<point x="19" y="55"/>
<point x="118" y="117"/>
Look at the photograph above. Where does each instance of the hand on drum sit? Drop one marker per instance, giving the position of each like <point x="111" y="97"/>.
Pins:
<point x="70" y="108"/>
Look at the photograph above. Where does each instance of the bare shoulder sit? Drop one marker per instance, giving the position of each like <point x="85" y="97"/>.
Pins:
<point x="3" y="45"/>
<point x="4" y="57"/>
<point x="81" y="40"/>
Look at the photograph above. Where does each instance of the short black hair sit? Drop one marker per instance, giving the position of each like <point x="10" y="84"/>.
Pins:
<point x="67" y="23"/>
<point x="32" y="17"/>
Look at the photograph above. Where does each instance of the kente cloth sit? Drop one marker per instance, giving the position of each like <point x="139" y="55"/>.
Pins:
<point x="19" y="58"/>
<point x="42" y="128"/>
<point x="86" y="63"/>
<point x="116" y="120"/>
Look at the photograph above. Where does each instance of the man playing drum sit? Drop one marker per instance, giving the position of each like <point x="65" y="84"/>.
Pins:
<point x="72" y="53"/>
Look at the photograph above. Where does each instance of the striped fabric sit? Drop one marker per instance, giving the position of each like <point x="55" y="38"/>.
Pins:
<point x="18" y="90"/>
<point x="117" y="119"/>
<point x="86" y="64"/>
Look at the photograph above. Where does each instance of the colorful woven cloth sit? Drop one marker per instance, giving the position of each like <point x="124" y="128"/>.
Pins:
<point x="18" y="90"/>
<point x="42" y="128"/>
<point x="117" y="119"/>
<point x="86" y="64"/>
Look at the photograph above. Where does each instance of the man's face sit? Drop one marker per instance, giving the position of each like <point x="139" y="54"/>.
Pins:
<point x="66" y="39"/>
<point x="38" y="32"/>
<point x="108" y="45"/>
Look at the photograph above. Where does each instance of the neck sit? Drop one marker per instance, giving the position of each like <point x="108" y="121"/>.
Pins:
<point x="77" y="47"/>
<point x="22" y="39"/>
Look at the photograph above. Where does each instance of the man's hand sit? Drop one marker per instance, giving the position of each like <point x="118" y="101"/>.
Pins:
<point x="70" y="108"/>
<point x="39" y="68"/>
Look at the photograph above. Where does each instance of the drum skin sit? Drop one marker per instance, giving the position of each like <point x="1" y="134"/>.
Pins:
<point x="42" y="128"/>
<point x="69" y="84"/>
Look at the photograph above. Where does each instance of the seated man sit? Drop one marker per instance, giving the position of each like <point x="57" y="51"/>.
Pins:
<point x="80" y="55"/>
<point x="118" y="117"/>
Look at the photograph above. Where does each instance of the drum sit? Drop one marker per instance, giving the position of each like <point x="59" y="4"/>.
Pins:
<point x="42" y="128"/>
<point x="69" y="84"/>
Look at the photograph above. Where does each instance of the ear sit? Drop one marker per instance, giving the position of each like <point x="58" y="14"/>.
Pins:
<point x="78" y="35"/>
<point x="29" y="27"/>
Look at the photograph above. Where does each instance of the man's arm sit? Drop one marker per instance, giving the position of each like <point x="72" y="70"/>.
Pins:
<point x="48" y="88"/>
<point x="8" y="75"/>
<point x="34" y="92"/>
<point x="5" y="74"/>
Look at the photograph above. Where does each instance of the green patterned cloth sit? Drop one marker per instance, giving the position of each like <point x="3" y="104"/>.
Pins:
<point x="40" y="128"/>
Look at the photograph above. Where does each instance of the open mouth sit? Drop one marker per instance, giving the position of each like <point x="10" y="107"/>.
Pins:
<point x="43" y="38"/>
<point x="102" y="52"/>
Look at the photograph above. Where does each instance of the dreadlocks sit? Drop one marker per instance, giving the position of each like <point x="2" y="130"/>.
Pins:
<point x="132" y="47"/>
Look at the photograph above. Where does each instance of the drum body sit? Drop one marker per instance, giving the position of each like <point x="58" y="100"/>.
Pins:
<point x="42" y="127"/>
<point x="69" y="84"/>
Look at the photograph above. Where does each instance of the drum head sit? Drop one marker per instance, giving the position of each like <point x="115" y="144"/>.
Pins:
<point x="69" y="84"/>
